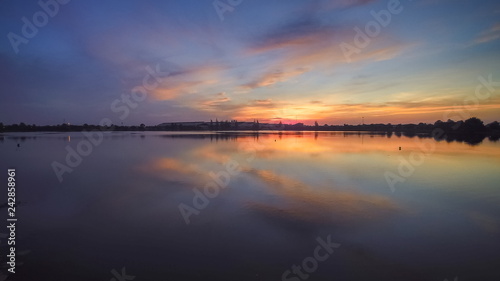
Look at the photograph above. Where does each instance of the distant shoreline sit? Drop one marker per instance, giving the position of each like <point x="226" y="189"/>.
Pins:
<point x="471" y="126"/>
<point x="473" y="138"/>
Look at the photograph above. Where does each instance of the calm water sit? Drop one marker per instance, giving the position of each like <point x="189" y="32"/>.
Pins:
<point x="119" y="208"/>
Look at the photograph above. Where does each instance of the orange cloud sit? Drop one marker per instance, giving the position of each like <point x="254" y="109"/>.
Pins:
<point x="173" y="89"/>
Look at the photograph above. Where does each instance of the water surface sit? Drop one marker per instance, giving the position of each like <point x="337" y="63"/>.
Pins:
<point x="120" y="206"/>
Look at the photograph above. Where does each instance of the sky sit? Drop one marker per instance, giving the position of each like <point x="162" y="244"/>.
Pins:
<point x="331" y="61"/>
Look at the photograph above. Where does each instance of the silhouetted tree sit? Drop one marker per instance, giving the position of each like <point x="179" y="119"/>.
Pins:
<point x="473" y="125"/>
<point x="493" y="126"/>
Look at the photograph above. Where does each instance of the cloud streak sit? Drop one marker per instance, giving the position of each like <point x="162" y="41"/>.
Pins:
<point x="489" y="35"/>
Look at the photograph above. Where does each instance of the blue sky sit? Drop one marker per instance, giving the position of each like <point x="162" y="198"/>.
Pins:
<point x="267" y="60"/>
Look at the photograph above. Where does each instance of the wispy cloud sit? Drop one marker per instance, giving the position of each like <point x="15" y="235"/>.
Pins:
<point x="173" y="89"/>
<point x="309" y="43"/>
<point x="190" y="80"/>
<point x="272" y="78"/>
<point x="215" y="102"/>
<point x="492" y="34"/>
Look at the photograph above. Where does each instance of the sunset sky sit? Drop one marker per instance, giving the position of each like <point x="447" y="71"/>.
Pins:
<point x="272" y="60"/>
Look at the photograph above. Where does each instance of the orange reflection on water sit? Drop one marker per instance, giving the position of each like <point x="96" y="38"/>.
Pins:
<point x="318" y="204"/>
<point x="345" y="143"/>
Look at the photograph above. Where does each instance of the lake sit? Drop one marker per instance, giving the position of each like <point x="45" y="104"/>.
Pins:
<point x="246" y="206"/>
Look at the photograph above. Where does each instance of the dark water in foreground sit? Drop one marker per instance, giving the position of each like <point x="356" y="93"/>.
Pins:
<point x="286" y="196"/>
